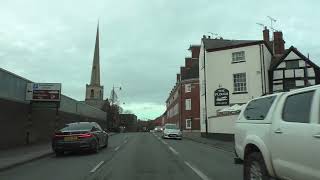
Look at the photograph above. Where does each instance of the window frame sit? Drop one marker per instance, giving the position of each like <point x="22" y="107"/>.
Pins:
<point x="188" y="87"/>
<point x="188" y="120"/>
<point x="311" y="104"/>
<point x="239" y="56"/>
<point x="291" y="61"/>
<point x="240" y="85"/>
<point x="185" y="104"/>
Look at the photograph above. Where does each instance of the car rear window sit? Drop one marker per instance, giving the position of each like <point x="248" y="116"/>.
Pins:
<point x="259" y="108"/>
<point x="77" y="126"/>
<point x="171" y="126"/>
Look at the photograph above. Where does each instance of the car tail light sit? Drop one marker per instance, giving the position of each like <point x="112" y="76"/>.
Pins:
<point x="86" y="135"/>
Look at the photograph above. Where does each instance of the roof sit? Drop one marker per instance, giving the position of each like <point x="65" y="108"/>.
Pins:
<point x="222" y="43"/>
<point x="276" y="60"/>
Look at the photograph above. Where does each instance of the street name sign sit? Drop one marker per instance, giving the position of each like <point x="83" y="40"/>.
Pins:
<point x="43" y="92"/>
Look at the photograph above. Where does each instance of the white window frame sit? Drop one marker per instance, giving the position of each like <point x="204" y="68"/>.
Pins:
<point x="188" y="88"/>
<point x="188" y="127"/>
<point x="238" y="57"/>
<point x="188" y="105"/>
<point x="239" y="83"/>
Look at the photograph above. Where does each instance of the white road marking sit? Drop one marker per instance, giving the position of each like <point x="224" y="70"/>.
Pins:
<point x="197" y="171"/>
<point x="125" y="141"/>
<point x="117" y="148"/>
<point x="164" y="142"/>
<point x="173" y="150"/>
<point x="96" y="167"/>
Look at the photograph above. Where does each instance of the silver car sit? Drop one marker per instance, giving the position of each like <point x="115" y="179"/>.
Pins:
<point x="171" y="131"/>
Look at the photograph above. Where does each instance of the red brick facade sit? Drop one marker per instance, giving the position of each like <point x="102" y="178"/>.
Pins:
<point x="176" y="112"/>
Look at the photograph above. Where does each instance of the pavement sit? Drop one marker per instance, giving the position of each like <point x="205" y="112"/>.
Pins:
<point x="136" y="156"/>
<point x="13" y="157"/>
<point x="196" y="136"/>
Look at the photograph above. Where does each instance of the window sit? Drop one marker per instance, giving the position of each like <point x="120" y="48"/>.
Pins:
<point x="292" y="64"/>
<point x="188" y="124"/>
<point x="92" y="93"/>
<point x="188" y="104"/>
<point x="239" y="82"/>
<point x="297" y="108"/>
<point x="187" y="88"/>
<point x="289" y="84"/>
<point x="238" y="57"/>
<point x="259" y="108"/>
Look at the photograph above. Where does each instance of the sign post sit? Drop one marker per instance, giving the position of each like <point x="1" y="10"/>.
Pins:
<point x="221" y="97"/>
<point x="42" y="95"/>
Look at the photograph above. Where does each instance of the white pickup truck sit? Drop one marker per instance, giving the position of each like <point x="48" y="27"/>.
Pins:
<point x="278" y="136"/>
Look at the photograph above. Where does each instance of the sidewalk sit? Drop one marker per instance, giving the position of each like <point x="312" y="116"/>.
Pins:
<point x="20" y="155"/>
<point x="196" y="136"/>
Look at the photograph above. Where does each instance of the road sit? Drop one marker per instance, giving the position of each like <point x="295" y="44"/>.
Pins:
<point x="135" y="156"/>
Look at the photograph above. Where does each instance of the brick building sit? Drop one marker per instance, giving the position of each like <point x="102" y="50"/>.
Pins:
<point x="183" y="103"/>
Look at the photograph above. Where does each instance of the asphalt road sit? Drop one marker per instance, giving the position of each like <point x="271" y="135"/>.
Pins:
<point x="135" y="156"/>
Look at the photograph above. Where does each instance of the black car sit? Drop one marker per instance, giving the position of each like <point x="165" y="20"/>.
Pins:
<point x="79" y="136"/>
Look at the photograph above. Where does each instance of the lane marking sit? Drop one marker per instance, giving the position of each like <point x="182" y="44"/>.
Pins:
<point x="197" y="171"/>
<point x="117" y="148"/>
<point x="173" y="150"/>
<point x="125" y="141"/>
<point x="164" y="142"/>
<point x="96" y="167"/>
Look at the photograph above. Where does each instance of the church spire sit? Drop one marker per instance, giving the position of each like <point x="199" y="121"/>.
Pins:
<point x="95" y="73"/>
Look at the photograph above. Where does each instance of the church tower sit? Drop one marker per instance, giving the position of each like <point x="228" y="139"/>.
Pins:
<point x="94" y="91"/>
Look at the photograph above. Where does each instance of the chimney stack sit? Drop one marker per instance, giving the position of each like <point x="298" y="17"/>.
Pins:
<point x="178" y="77"/>
<point x="195" y="50"/>
<point x="266" y="36"/>
<point x="278" y="42"/>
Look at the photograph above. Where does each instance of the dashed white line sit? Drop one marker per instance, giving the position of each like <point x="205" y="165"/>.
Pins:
<point x="125" y="141"/>
<point x="164" y="142"/>
<point x="96" y="167"/>
<point x="173" y="150"/>
<point x="117" y="148"/>
<point x="197" y="171"/>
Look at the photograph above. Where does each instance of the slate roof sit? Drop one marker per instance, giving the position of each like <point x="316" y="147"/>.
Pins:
<point x="223" y="43"/>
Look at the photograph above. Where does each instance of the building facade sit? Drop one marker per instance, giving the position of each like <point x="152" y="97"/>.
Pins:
<point x="94" y="90"/>
<point x="183" y="103"/>
<point x="232" y="72"/>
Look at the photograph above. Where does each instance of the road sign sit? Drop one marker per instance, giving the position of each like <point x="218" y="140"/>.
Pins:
<point x="43" y="92"/>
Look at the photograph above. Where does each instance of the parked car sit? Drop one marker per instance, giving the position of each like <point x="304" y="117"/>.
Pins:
<point x="79" y="136"/>
<point x="171" y="131"/>
<point x="279" y="136"/>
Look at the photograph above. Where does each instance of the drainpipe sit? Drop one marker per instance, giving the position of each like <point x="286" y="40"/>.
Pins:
<point x="205" y="87"/>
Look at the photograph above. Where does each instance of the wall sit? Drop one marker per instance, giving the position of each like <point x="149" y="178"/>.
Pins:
<point x="222" y="124"/>
<point x="15" y="110"/>
<point x="219" y="73"/>
<point x="195" y="104"/>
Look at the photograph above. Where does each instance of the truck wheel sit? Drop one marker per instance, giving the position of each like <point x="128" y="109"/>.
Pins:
<point x="254" y="167"/>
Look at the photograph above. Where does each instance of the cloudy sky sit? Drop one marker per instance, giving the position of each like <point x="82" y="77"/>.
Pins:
<point x="143" y="42"/>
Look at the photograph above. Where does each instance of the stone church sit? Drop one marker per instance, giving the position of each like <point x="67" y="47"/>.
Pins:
<point x="94" y="90"/>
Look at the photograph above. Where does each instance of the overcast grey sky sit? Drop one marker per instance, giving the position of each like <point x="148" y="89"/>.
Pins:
<point x="143" y="43"/>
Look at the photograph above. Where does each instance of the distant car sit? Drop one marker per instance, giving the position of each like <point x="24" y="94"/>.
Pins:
<point x="171" y="131"/>
<point x="158" y="129"/>
<point x="79" y="136"/>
